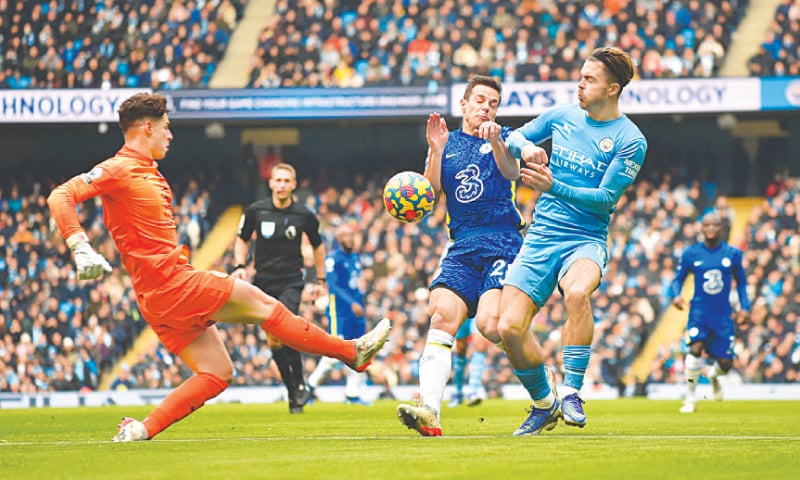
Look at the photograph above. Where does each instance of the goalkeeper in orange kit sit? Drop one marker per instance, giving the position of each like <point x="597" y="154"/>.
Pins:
<point x="179" y="302"/>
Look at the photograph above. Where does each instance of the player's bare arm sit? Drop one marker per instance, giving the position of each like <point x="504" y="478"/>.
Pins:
<point x="537" y="176"/>
<point x="533" y="154"/>
<point x="508" y="165"/>
<point x="437" y="134"/>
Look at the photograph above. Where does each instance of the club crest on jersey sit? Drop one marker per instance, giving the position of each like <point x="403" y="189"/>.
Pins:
<point x="267" y="229"/>
<point x="290" y="232"/>
<point x="726" y="262"/>
<point x="606" y="145"/>
<point x="485" y="148"/>
<point x="92" y="175"/>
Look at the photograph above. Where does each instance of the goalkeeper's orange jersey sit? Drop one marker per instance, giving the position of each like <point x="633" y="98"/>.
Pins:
<point x="137" y="210"/>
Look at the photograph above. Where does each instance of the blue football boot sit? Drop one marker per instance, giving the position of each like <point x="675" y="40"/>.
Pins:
<point x="572" y="410"/>
<point x="540" y="419"/>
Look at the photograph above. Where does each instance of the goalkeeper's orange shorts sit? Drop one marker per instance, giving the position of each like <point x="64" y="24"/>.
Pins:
<point x="181" y="308"/>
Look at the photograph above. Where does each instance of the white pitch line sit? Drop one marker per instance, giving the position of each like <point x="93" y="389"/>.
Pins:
<point x="4" y="443"/>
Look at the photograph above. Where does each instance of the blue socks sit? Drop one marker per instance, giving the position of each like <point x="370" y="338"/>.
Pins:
<point x="459" y="365"/>
<point x="535" y="382"/>
<point x="576" y="359"/>
<point x="477" y="364"/>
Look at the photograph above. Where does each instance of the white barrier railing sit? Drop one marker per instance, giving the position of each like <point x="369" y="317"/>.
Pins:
<point x="255" y="395"/>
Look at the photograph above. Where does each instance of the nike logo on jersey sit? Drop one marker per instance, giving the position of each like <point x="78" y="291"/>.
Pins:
<point x="451" y="155"/>
<point x="698" y="263"/>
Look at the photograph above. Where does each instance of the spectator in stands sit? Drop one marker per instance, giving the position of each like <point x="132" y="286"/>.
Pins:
<point x="69" y="45"/>
<point x="778" y="53"/>
<point x="124" y="381"/>
<point x="563" y="27"/>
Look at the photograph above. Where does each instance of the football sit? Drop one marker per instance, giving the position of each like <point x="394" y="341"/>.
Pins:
<point x="408" y="196"/>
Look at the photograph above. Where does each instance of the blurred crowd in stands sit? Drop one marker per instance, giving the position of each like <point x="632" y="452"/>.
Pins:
<point x="435" y="42"/>
<point x="60" y="334"/>
<point x="167" y="45"/>
<point x="779" y="53"/>
<point x="154" y="44"/>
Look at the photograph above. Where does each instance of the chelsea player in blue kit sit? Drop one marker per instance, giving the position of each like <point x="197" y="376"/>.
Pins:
<point x="714" y="264"/>
<point x="345" y="310"/>
<point x="484" y="226"/>
<point x="596" y="154"/>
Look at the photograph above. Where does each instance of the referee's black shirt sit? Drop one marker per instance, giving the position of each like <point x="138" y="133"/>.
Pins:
<point x="278" y="234"/>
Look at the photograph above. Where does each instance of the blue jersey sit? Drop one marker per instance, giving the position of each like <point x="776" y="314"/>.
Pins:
<point x="593" y="163"/>
<point x="478" y="196"/>
<point x="713" y="271"/>
<point x="342" y="272"/>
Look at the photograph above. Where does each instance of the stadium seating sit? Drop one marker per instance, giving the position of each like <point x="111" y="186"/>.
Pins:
<point x="358" y="43"/>
<point x="113" y="43"/>
<point x="778" y="53"/>
<point x="174" y="45"/>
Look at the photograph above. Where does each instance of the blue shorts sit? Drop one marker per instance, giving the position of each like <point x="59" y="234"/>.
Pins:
<point x="477" y="264"/>
<point x="713" y="329"/>
<point x="466" y="329"/>
<point x="544" y="259"/>
<point x="342" y="323"/>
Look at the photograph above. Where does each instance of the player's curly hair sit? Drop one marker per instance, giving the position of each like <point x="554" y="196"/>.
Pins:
<point x="140" y="106"/>
<point x="617" y="62"/>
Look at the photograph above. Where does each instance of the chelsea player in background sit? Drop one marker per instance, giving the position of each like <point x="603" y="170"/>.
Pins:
<point x="710" y="327"/>
<point x="483" y="224"/>
<point x="345" y="309"/>
<point x="596" y="155"/>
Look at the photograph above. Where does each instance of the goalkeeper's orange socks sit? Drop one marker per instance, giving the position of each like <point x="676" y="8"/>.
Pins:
<point x="301" y="335"/>
<point x="287" y="327"/>
<point x="188" y="397"/>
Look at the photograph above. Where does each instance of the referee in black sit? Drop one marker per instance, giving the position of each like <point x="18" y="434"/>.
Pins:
<point x="278" y="224"/>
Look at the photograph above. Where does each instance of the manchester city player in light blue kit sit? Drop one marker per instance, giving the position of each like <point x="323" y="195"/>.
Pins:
<point x="596" y="154"/>
<point x="714" y="264"/>
<point x="484" y="225"/>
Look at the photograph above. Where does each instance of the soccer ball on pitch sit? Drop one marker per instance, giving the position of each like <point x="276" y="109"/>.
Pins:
<point x="408" y="197"/>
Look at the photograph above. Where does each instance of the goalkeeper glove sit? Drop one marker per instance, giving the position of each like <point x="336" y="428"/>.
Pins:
<point x="89" y="263"/>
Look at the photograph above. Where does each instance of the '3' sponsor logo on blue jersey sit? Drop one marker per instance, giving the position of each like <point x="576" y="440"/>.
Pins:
<point x="470" y="185"/>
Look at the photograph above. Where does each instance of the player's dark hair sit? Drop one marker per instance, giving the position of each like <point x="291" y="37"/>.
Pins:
<point x="140" y="106"/>
<point x="490" y="82"/>
<point x="617" y="62"/>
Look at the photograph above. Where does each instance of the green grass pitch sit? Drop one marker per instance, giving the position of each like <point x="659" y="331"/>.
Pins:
<point x="625" y="439"/>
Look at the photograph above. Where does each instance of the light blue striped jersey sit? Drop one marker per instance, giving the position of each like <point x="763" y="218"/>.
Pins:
<point x="593" y="163"/>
